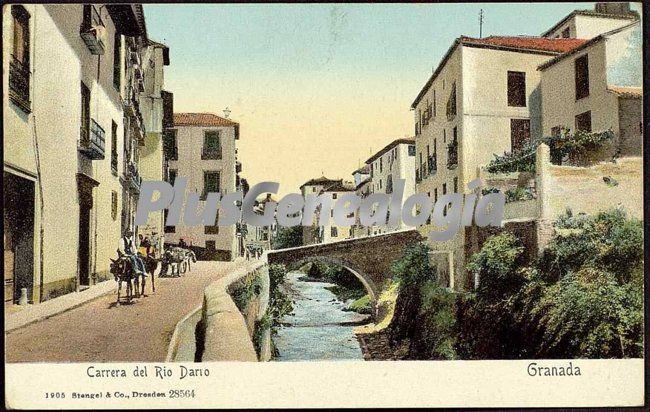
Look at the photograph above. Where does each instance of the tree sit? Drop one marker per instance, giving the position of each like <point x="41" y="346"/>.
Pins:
<point x="288" y="237"/>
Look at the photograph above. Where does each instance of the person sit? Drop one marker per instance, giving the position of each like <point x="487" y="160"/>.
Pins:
<point x="127" y="247"/>
<point x="182" y="243"/>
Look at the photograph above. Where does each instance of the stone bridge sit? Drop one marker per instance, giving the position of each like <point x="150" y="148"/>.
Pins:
<point x="369" y="258"/>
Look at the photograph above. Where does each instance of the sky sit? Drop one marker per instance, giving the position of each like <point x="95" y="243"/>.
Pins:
<point x="318" y="88"/>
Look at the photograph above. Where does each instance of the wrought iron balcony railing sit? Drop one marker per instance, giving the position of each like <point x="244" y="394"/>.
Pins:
<point x="93" y="141"/>
<point x="19" y="84"/>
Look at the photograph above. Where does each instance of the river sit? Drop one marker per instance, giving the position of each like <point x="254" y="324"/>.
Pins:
<point x="318" y="328"/>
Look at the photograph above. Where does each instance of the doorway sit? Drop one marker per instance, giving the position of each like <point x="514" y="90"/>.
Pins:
<point x="18" y="202"/>
<point x="85" y="185"/>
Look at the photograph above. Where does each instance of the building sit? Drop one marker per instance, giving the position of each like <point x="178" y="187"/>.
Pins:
<point x="311" y="234"/>
<point x="596" y="87"/>
<point x="328" y="229"/>
<point x="153" y="102"/>
<point x="201" y="148"/>
<point x="393" y="162"/>
<point x="483" y="98"/>
<point x="586" y="24"/>
<point x="64" y="194"/>
<point x="362" y="188"/>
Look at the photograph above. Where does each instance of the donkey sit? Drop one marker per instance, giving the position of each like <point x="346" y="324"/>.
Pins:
<point x="150" y="266"/>
<point x="123" y="272"/>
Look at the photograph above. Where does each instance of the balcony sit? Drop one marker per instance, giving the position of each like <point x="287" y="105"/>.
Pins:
<point x="114" y="163"/>
<point x="238" y="167"/>
<point x="93" y="141"/>
<point x="452" y="155"/>
<point x="432" y="164"/>
<point x="93" y="31"/>
<point x="19" y="84"/>
<point x="133" y="176"/>
<point x="211" y="154"/>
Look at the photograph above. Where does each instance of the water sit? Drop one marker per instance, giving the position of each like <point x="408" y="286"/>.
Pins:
<point x="318" y="329"/>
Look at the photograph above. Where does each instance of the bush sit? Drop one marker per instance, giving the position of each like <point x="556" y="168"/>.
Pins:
<point x="288" y="236"/>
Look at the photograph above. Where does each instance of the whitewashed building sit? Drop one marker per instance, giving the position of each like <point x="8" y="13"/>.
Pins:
<point x="66" y="133"/>
<point x="483" y="99"/>
<point x="201" y="148"/>
<point x="586" y="24"/>
<point x="598" y="87"/>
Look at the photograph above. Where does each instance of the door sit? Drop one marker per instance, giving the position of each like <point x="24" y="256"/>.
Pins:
<point x="84" y="244"/>
<point x="519" y="134"/>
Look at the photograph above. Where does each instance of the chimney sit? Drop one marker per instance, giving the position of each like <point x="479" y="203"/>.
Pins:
<point x="613" y="8"/>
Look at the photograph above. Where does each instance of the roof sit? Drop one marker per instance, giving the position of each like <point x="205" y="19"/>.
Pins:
<point x="389" y="146"/>
<point x="365" y="169"/>
<point x="584" y="45"/>
<point x="522" y="44"/>
<point x="165" y="50"/>
<point x="633" y="15"/>
<point x="631" y="92"/>
<point x="339" y="186"/>
<point x="320" y="181"/>
<point x="201" y="119"/>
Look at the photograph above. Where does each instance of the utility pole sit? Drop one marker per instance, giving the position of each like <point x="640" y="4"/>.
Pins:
<point x="480" y="24"/>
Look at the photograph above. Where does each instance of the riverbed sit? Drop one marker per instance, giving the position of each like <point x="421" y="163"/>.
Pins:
<point x="318" y="328"/>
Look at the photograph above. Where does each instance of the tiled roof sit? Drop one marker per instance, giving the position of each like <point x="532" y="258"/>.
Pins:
<point x="201" y="119"/>
<point x="340" y="186"/>
<point x="389" y="146"/>
<point x="585" y="45"/>
<point x="320" y="181"/>
<point x="527" y="43"/>
<point x="633" y="92"/>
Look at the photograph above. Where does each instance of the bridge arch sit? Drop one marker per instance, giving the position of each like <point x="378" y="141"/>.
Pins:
<point x="365" y="280"/>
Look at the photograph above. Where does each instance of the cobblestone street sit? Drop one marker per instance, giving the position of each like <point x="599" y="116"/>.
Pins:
<point x="101" y="331"/>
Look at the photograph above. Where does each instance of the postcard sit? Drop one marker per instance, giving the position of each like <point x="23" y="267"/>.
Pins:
<point x="213" y="205"/>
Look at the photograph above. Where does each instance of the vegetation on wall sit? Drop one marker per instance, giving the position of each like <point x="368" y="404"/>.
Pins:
<point x="563" y="144"/>
<point x="582" y="298"/>
<point x="279" y="305"/>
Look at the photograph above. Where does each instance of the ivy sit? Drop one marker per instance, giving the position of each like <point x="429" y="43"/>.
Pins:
<point x="561" y="145"/>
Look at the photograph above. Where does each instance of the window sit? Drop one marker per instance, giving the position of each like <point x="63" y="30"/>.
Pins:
<point x="212" y="229"/>
<point x="583" y="122"/>
<point x="170" y="147"/>
<point x="334" y="195"/>
<point x="434" y="103"/>
<point x="211" y="145"/>
<point x="582" y="77"/>
<point x="85" y="115"/>
<point x="89" y="34"/>
<point x="516" y="89"/>
<point x="381" y="164"/>
<point x="168" y="229"/>
<point x="117" y="61"/>
<point x="389" y="184"/>
<point x="172" y="176"/>
<point x="566" y="33"/>
<point x="19" y="75"/>
<point x="451" y="103"/>
<point x="114" y="205"/>
<point x="411" y="150"/>
<point x="556" y="131"/>
<point x="114" y="147"/>
<point x="519" y="133"/>
<point x="334" y="231"/>
<point x="455" y="185"/>
<point x="211" y="183"/>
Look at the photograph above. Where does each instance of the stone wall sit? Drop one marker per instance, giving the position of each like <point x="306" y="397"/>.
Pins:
<point x="221" y="331"/>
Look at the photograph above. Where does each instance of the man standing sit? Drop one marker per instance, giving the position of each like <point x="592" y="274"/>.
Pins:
<point x="127" y="247"/>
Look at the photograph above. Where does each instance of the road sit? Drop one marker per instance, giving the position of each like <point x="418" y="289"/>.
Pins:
<point x="101" y="331"/>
